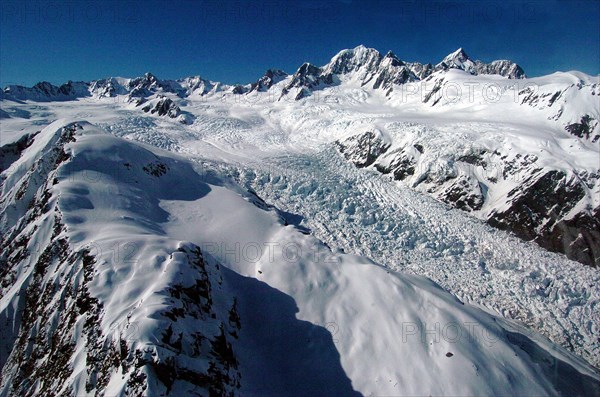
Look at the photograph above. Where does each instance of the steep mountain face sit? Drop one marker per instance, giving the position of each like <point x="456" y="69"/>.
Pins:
<point x="519" y="192"/>
<point x="100" y="295"/>
<point x="542" y="210"/>
<point x="271" y="77"/>
<point x="460" y="60"/>
<point x="308" y="77"/>
<point x="367" y="65"/>
<point x="68" y="326"/>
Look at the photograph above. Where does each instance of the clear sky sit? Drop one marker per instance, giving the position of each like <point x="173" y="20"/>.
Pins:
<point x="236" y="41"/>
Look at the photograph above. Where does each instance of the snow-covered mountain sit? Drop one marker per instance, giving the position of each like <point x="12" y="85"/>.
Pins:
<point x="100" y="295"/>
<point x="196" y="238"/>
<point x="460" y="60"/>
<point x="523" y="173"/>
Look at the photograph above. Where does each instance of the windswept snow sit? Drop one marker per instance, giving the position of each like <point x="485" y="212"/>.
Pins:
<point x="345" y="280"/>
<point x="312" y="320"/>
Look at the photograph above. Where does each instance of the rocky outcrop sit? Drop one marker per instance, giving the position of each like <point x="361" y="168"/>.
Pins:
<point x="540" y="210"/>
<point x="547" y="206"/>
<point x="363" y="149"/>
<point x="306" y="78"/>
<point x="587" y="128"/>
<point x="271" y="77"/>
<point x="163" y="107"/>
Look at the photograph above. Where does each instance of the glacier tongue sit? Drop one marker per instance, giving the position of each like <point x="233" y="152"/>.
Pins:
<point x="135" y="271"/>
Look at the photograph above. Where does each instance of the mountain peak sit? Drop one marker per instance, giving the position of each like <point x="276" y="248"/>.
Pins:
<point x="150" y="77"/>
<point x="393" y="59"/>
<point x="457" y="60"/>
<point x="459" y="55"/>
<point x="353" y="59"/>
<point x="308" y="69"/>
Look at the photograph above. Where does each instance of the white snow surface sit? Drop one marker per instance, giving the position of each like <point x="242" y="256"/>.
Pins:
<point x="525" y="318"/>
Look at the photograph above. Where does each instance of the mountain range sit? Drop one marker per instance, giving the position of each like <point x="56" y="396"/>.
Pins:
<point x="304" y="234"/>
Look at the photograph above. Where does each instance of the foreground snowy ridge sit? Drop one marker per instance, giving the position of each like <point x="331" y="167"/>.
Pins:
<point x="113" y="283"/>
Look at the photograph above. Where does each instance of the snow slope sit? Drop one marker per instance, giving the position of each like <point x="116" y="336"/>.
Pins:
<point x="359" y="157"/>
<point x="277" y="148"/>
<point x="199" y="287"/>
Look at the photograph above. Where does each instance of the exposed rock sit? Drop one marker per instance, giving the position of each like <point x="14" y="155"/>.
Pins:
<point x="363" y="149"/>
<point x="460" y="60"/>
<point x="165" y="106"/>
<point x="539" y="210"/>
<point x="585" y="128"/>
<point x="271" y="77"/>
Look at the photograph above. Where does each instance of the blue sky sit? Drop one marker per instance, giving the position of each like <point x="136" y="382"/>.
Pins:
<point x="237" y="41"/>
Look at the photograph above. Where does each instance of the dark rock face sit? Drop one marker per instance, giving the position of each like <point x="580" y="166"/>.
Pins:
<point x="308" y="76"/>
<point x="184" y="347"/>
<point x="538" y="212"/>
<point x="11" y="152"/>
<point x="464" y="194"/>
<point x="271" y="77"/>
<point x="585" y="128"/>
<point x="541" y="209"/>
<point x="163" y="107"/>
<point x="391" y="71"/>
<point x="156" y="168"/>
<point x="402" y="166"/>
<point x="363" y="149"/>
<point x="434" y="92"/>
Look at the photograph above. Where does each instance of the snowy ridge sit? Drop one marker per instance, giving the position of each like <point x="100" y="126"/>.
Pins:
<point x="84" y="312"/>
<point x="457" y="138"/>
<point x="363" y="158"/>
<point x="114" y="302"/>
<point x="369" y="66"/>
<point x="460" y="60"/>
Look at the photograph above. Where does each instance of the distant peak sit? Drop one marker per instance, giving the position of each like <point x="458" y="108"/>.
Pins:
<point x="275" y="72"/>
<point x="393" y="59"/>
<point x="361" y="47"/>
<point x="308" y="69"/>
<point x="459" y="55"/>
<point x="353" y="59"/>
<point x="149" y="76"/>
